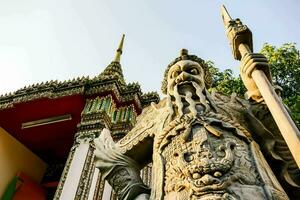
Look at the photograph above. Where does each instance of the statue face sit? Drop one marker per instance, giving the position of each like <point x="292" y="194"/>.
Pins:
<point x="184" y="75"/>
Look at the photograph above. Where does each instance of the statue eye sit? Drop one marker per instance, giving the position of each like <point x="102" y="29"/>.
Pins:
<point x="193" y="71"/>
<point x="174" y="74"/>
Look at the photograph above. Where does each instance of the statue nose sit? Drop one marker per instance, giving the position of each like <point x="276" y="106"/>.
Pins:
<point x="181" y="77"/>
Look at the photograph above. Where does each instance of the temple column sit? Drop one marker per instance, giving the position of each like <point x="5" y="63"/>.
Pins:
<point x="93" y="192"/>
<point x="100" y="187"/>
<point x="80" y="177"/>
<point x="107" y="191"/>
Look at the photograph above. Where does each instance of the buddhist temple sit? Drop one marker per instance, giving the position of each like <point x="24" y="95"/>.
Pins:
<point x="47" y="131"/>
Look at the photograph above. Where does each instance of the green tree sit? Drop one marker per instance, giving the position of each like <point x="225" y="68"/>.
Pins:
<point x="225" y="82"/>
<point x="285" y="67"/>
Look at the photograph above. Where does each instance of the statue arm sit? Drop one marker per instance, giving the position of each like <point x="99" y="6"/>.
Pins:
<point x="274" y="147"/>
<point x="266" y="131"/>
<point x="122" y="172"/>
<point x="120" y="163"/>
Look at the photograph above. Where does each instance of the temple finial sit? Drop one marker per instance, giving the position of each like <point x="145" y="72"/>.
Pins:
<point x="119" y="50"/>
<point x="114" y="69"/>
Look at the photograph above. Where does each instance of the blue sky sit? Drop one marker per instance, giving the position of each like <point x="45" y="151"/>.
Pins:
<point x="44" y="40"/>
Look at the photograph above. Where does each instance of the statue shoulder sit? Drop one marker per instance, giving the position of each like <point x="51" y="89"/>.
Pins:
<point x="232" y="106"/>
<point x="150" y="121"/>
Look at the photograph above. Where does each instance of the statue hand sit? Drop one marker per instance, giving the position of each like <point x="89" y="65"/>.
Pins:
<point x="249" y="63"/>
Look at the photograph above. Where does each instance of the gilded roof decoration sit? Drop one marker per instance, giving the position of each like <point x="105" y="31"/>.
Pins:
<point x="79" y="86"/>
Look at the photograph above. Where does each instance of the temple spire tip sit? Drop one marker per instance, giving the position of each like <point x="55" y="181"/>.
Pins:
<point x="119" y="50"/>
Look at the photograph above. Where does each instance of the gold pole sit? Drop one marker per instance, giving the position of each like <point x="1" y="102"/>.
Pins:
<point x="119" y="50"/>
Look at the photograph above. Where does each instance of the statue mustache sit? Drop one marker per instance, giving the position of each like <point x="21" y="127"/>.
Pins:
<point x="187" y="96"/>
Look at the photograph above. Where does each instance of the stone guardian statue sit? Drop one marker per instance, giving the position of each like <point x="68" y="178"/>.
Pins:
<point x="202" y="145"/>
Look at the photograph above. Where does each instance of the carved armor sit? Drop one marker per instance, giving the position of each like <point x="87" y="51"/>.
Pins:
<point x="212" y="163"/>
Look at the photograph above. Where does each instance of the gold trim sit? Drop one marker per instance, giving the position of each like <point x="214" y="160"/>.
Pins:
<point x="46" y="121"/>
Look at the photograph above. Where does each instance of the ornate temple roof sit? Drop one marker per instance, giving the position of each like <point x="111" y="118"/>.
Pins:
<point x="80" y="86"/>
<point x="110" y="79"/>
<point x="45" y="100"/>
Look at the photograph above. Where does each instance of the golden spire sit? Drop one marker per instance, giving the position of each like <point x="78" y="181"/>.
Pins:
<point x="119" y="50"/>
<point x="114" y="69"/>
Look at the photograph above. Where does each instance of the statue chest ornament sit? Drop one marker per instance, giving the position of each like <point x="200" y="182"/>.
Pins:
<point x="206" y="161"/>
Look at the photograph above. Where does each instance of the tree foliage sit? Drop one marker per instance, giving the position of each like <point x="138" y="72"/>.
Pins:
<point x="225" y="82"/>
<point x="285" y="67"/>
